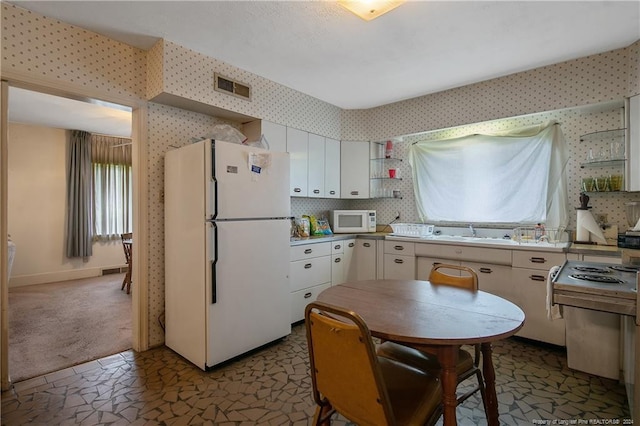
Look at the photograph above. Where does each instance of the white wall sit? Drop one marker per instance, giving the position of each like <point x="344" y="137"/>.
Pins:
<point x="36" y="216"/>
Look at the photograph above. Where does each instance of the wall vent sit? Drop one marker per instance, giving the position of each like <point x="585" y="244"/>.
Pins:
<point x="111" y="271"/>
<point x="231" y="87"/>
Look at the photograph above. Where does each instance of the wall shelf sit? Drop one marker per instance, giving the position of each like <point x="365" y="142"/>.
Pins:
<point x="604" y="163"/>
<point x="603" y="135"/>
<point x="387" y="159"/>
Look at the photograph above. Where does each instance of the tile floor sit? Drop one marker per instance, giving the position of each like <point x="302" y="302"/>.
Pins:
<point x="272" y="387"/>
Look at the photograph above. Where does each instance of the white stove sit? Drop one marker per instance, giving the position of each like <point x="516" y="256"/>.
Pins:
<point x="598" y="286"/>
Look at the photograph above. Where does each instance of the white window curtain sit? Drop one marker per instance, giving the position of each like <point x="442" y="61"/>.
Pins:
<point x="111" y="158"/>
<point x="514" y="177"/>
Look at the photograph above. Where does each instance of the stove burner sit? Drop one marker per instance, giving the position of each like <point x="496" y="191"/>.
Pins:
<point x="591" y="269"/>
<point x="625" y="268"/>
<point x="596" y="278"/>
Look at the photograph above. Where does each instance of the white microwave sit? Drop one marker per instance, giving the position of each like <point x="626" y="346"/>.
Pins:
<point x="354" y="221"/>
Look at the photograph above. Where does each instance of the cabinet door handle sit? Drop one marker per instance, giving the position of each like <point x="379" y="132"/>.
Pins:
<point x="307" y="266"/>
<point x="297" y="190"/>
<point x="332" y="192"/>
<point x="338" y="260"/>
<point x="316" y="191"/>
<point x="366" y="245"/>
<point x="308" y="251"/>
<point x="398" y="247"/>
<point x="486" y="270"/>
<point x="537" y="260"/>
<point x="307" y="295"/>
<point x="352" y="244"/>
<point x="537" y="278"/>
<point x="355" y="192"/>
<point x="337" y="246"/>
<point x="398" y="260"/>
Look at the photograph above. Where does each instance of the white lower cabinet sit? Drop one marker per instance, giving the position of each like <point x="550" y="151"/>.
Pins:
<point x="399" y="261"/>
<point x="301" y="298"/>
<point x="530" y="271"/>
<point x="495" y="279"/>
<point x="519" y="276"/>
<point x="309" y="274"/>
<point x="341" y="260"/>
<point x="424" y="265"/>
<point x="365" y="259"/>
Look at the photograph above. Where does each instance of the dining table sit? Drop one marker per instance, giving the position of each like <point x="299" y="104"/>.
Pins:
<point x="436" y="318"/>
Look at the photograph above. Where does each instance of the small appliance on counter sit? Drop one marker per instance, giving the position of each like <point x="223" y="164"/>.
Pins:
<point x="353" y="221"/>
<point x="631" y="238"/>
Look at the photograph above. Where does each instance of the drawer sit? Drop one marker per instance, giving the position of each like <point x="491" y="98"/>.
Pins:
<point x="473" y="254"/>
<point x="537" y="259"/>
<point x="310" y="272"/>
<point x="301" y="298"/>
<point x="337" y="247"/>
<point x="399" y="247"/>
<point x="398" y="267"/>
<point x="307" y="251"/>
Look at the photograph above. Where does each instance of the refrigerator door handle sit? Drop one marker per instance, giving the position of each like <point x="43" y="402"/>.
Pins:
<point x="214" y="180"/>
<point x="214" y="287"/>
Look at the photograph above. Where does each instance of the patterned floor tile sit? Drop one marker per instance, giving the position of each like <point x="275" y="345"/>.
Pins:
<point x="273" y="387"/>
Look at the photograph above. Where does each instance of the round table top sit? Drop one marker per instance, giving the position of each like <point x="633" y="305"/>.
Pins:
<point x="418" y="312"/>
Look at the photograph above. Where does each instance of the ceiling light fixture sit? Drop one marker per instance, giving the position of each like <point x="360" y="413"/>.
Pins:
<point x="369" y="9"/>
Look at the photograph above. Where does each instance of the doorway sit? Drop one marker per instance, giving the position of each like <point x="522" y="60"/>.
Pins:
<point x="137" y="338"/>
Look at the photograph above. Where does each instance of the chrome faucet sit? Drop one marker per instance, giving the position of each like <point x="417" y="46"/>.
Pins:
<point x="472" y="229"/>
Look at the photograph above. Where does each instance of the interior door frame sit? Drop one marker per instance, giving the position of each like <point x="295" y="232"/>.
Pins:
<point x="140" y="290"/>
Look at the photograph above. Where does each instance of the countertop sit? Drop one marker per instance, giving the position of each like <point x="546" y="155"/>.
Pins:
<point x="591" y="249"/>
<point x="295" y="241"/>
<point x="595" y="250"/>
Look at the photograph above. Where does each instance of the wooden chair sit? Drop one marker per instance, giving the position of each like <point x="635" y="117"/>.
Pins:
<point x="467" y="365"/>
<point x="127" y="247"/>
<point x="348" y="377"/>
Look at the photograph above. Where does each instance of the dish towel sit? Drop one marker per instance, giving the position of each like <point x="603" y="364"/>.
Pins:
<point x="553" y="311"/>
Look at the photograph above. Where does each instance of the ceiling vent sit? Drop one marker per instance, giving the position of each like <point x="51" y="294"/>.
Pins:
<point x="231" y="87"/>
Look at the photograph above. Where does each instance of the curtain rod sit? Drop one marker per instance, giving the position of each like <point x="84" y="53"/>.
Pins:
<point x="109" y="136"/>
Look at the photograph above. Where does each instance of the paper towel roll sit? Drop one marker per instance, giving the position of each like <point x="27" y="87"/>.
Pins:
<point x="586" y="227"/>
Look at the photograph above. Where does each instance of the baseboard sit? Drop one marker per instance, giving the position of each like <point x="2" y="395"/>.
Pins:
<point x="51" y="277"/>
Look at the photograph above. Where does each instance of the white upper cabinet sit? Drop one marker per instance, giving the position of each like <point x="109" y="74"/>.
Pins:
<point x="354" y="169"/>
<point x="316" y="165"/>
<point x="633" y="144"/>
<point x="275" y="134"/>
<point x="331" y="168"/>
<point x="298" y="149"/>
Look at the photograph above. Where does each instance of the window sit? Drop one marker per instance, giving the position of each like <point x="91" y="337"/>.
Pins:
<point x="510" y="178"/>
<point x="112" y="186"/>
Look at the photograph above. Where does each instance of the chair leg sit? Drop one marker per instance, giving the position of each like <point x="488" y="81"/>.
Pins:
<point x="127" y="280"/>
<point x="483" y="391"/>
<point x="323" y="414"/>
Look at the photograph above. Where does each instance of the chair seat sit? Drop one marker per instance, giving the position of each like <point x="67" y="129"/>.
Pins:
<point x="423" y="361"/>
<point x="413" y="393"/>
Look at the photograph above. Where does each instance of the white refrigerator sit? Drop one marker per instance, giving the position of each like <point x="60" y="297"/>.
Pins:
<point x="227" y="229"/>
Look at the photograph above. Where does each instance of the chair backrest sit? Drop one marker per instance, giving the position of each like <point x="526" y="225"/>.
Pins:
<point x="126" y="245"/>
<point x="344" y="365"/>
<point x="468" y="281"/>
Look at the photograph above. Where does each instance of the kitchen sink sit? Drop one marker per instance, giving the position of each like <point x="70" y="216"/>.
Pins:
<point x="489" y="240"/>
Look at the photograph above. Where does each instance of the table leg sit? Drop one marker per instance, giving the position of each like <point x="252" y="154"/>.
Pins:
<point x="448" y="357"/>
<point x="490" y="384"/>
